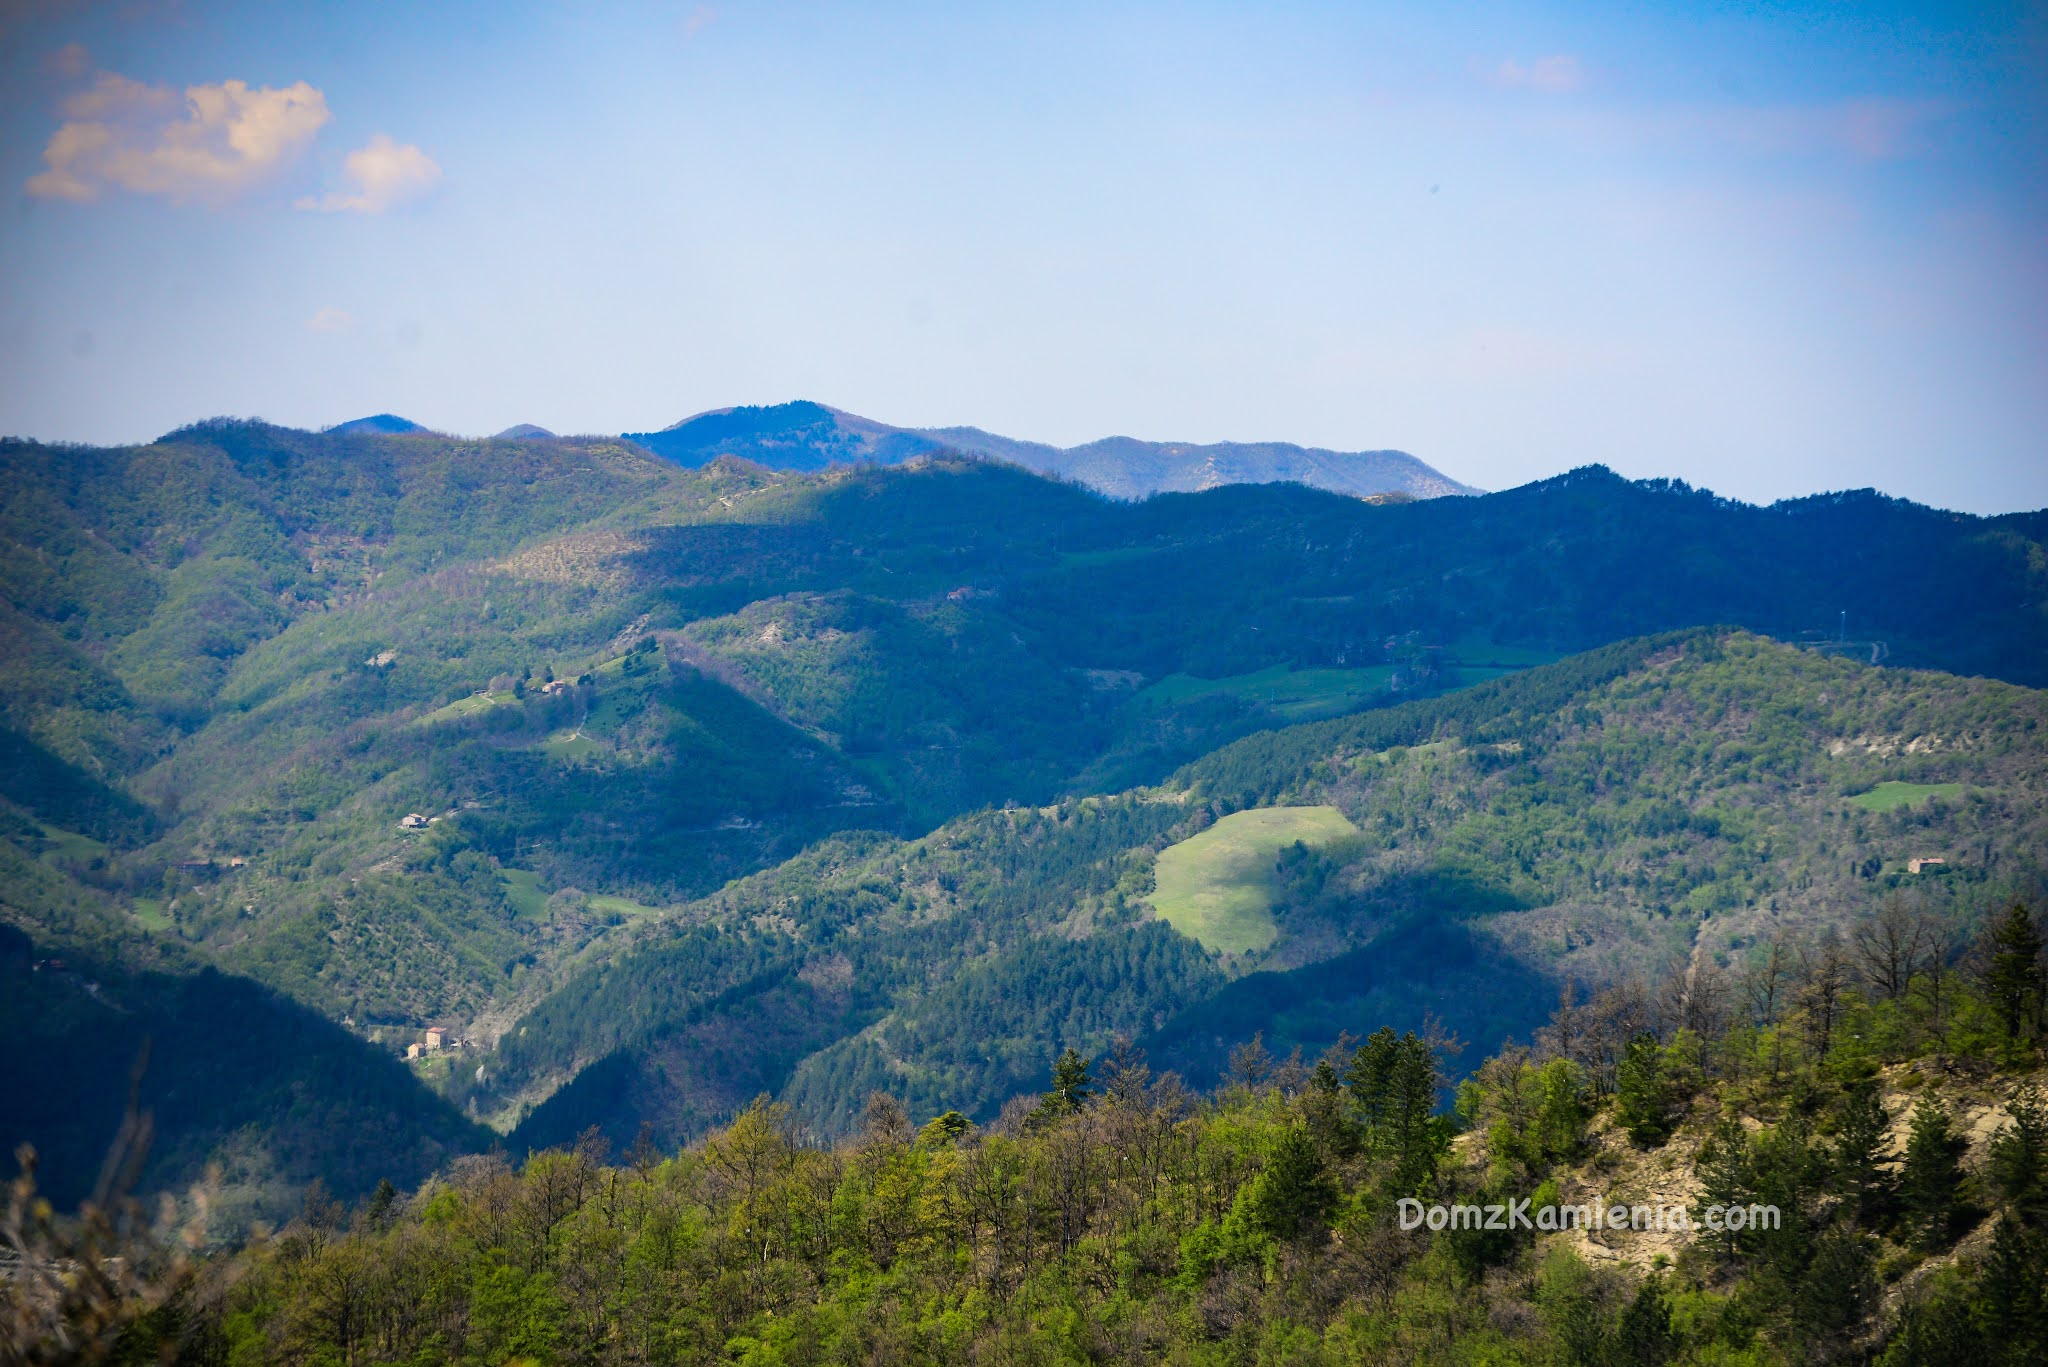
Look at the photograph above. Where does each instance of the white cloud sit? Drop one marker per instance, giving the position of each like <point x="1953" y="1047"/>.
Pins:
<point x="386" y="173"/>
<point x="698" y="19"/>
<point x="215" y="142"/>
<point x="1548" y="75"/>
<point x="329" y="320"/>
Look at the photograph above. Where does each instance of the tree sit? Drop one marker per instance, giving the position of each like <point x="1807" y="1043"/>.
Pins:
<point x="1889" y="946"/>
<point x="1642" y="1096"/>
<point x="2012" y="973"/>
<point x="1834" y="1295"/>
<point x="1861" y="1152"/>
<point x="2019" y="1157"/>
<point x="1933" y="1174"/>
<point x="2013" y="1300"/>
<point x="1644" y="1335"/>
<point x="1292" y="1192"/>
<point x="1071" y="1085"/>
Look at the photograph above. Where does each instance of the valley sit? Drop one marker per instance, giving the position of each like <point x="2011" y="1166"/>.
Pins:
<point x="667" y="785"/>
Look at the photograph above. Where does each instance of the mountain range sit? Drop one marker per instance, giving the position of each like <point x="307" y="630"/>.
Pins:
<point x="659" y="785"/>
<point x="809" y="436"/>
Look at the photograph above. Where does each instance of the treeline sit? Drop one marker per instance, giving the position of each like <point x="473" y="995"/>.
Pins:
<point x="1120" y="1217"/>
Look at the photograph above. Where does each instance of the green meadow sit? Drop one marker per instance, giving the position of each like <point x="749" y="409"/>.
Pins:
<point x="1892" y="795"/>
<point x="1217" y="887"/>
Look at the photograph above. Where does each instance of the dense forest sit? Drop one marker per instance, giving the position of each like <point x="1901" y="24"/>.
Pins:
<point x="1876" y="1106"/>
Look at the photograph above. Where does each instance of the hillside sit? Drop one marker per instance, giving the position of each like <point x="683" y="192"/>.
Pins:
<point x="240" y="660"/>
<point x="1845" y="1162"/>
<point x="809" y="436"/>
<point x="1621" y="815"/>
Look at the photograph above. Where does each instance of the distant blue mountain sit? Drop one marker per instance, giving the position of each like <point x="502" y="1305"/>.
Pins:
<point x="389" y="424"/>
<point x="524" y="429"/>
<point x="788" y="436"/>
<point x="810" y="436"/>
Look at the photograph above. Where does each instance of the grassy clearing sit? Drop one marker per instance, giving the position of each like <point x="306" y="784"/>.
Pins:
<point x="523" y="890"/>
<point x="71" y="847"/>
<point x="1892" y="795"/>
<point x="605" y="905"/>
<point x="149" y="914"/>
<point x="571" y="747"/>
<point x="1291" y="694"/>
<point x="468" y="707"/>
<point x="1217" y="887"/>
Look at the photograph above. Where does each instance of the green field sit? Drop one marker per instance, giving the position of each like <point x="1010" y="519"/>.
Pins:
<point x="71" y="847"/>
<point x="571" y="747"/>
<point x="149" y="913"/>
<point x="523" y="890"/>
<point x="1291" y="694"/>
<point x="1892" y="795"/>
<point x="1217" y="887"/>
<point x="605" y="905"/>
<point x="469" y="706"/>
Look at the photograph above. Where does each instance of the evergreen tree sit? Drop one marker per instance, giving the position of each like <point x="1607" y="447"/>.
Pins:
<point x="1644" y="1335"/>
<point x="377" y="1210"/>
<point x="1642" y="1096"/>
<point x="2013" y="975"/>
<point x="2011" y="1296"/>
<point x="1938" y="1332"/>
<point x="1861" y="1152"/>
<point x="1561" y="1110"/>
<point x="1071" y="1085"/>
<point x="1419" y="1138"/>
<point x="1723" y="1167"/>
<point x="1831" y="1299"/>
<point x="1933" y="1174"/>
<point x="1369" y="1076"/>
<point x="2019" y="1158"/>
<point x="1292" y="1192"/>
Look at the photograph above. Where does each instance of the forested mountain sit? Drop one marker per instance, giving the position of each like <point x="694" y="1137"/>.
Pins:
<point x="1840" y="1157"/>
<point x="1627" y="813"/>
<point x="809" y="436"/>
<point x="406" y="730"/>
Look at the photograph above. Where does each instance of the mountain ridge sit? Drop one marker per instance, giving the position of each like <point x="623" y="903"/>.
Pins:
<point x="804" y="435"/>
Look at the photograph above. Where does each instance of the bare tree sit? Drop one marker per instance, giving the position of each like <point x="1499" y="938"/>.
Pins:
<point x="1889" y="946"/>
<point x="1823" y="973"/>
<point x="1763" y="982"/>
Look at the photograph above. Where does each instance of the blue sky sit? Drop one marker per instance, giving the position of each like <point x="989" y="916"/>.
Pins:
<point x="1771" y="249"/>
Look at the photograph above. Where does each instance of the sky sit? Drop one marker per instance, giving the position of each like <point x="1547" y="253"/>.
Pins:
<point x="1771" y="249"/>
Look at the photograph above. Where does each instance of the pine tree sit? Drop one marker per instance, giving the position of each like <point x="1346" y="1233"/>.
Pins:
<point x="1642" y="1098"/>
<point x="2013" y="1305"/>
<point x="1419" y="1138"/>
<point x="1292" y="1193"/>
<point x="2019" y="1158"/>
<point x="1369" y="1077"/>
<point x="1726" y="1180"/>
<point x="1861" y="1152"/>
<point x="2013" y="976"/>
<point x="1644" y="1334"/>
<point x="1836" y="1292"/>
<point x="1070" y="1082"/>
<point x="1933" y="1174"/>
